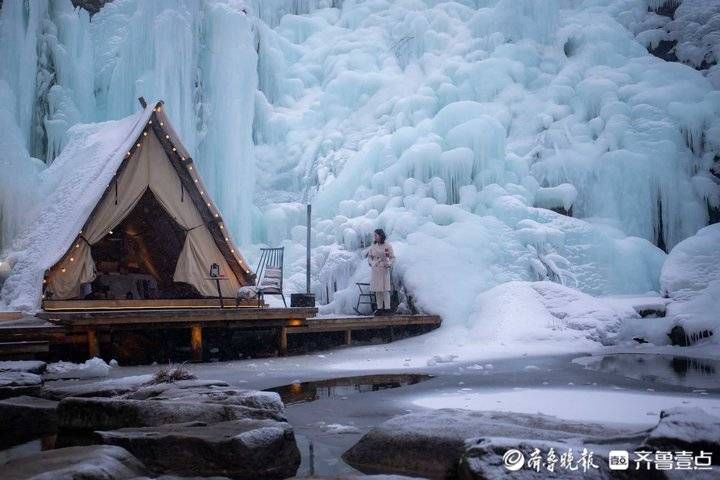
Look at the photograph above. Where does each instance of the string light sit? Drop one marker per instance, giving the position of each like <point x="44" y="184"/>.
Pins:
<point x="144" y="134"/>
<point x="167" y="136"/>
<point x="72" y="259"/>
<point x="174" y="149"/>
<point x="196" y="180"/>
<point x="161" y="124"/>
<point x="150" y="122"/>
<point x="208" y="204"/>
<point x="77" y="245"/>
<point x="221" y="227"/>
<point x="110" y="232"/>
<point x="190" y="167"/>
<point x="63" y="270"/>
<point x="217" y="215"/>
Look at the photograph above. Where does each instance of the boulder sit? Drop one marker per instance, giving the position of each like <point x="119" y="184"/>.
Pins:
<point x="241" y="449"/>
<point x="118" y="387"/>
<point x="29" y="366"/>
<point x="221" y="395"/>
<point x="105" y="388"/>
<point x="114" y="413"/>
<point x="485" y="458"/>
<point x="24" y="418"/>
<point x="95" y="462"/>
<point x="401" y="445"/>
<point x="13" y="384"/>
<point x="363" y="477"/>
<point x="685" y="429"/>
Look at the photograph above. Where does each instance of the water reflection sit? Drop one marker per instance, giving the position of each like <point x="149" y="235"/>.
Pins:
<point x="667" y="369"/>
<point x="342" y="387"/>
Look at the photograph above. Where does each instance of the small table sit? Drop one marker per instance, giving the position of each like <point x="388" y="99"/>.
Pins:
<point x="217" y="284"/>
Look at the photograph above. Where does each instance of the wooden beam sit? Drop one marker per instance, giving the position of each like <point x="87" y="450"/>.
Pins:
<point x="196" y="342"/>
<point x="12" y="348"/>
<point x="348" y="337"/>
<point x="92" y="343"/>
<point x="283" y="341"/>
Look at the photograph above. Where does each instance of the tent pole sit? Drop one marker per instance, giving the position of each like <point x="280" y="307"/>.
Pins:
<point x="307" y="250"/>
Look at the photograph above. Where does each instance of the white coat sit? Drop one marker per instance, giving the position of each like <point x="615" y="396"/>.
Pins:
<point x="380" y="258"/>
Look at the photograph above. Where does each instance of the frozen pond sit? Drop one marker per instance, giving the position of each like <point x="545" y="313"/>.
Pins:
<point x="330" y="410"/>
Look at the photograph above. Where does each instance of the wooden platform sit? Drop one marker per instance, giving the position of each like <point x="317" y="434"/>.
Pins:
<point x="82" y="329"/>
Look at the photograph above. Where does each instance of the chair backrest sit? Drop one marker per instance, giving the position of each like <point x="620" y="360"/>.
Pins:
<point x="270" y="268"/>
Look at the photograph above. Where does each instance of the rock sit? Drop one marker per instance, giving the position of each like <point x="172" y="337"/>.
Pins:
<point x="111" y="413"/>
<point x="211" y="394"/>
<point x="484" y="459"/>
<point x="106" y="388"/>
<point x="24" y="418"/>
<point x="241" y="449"/>
<point x="13" y="384"/>
<point x="117" y="387"/>
<point x="685" y="429"/>
<point x="401" y="445"/>
<point x="29" y="366"/>
<point x="363" y="477"/>
<point x="175" y="477"/>
<point x="95" y="462"/>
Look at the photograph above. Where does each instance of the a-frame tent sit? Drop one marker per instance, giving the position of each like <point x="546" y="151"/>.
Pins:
<point x="156" y="208"/>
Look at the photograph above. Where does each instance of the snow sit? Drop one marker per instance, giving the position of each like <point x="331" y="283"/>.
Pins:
<point x="75" y="183"/>
<point x="454" y="126"/>
<point x="691" y="278"/>
<point x="93" y="368"/>
<point x="581" y="404"/>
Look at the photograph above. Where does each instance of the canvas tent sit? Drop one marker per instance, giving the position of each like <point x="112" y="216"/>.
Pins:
<point x="134" y="208"/>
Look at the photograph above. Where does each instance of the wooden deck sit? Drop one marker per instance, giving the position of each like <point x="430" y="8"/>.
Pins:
<point x="83" y="329"/>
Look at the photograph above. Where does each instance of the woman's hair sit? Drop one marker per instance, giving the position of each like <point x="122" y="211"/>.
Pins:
<point x="381" y="233"/>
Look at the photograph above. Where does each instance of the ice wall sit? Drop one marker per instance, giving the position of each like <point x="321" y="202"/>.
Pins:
<point x="454" y="125"/>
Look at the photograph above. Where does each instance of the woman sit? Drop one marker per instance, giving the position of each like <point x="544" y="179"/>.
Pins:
<point x="381" y="258"/>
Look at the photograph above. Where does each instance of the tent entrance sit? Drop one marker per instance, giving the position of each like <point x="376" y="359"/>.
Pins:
<point x="138" y="259"/>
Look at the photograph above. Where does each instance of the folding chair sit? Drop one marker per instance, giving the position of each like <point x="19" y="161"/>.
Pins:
<point x="365" y="297"/>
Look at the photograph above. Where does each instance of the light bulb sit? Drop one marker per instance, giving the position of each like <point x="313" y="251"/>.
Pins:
<point x="138" y="145"/>
<point x="161" y="124"/>
<point x="72" y="259"/>
<point x="174" y="149"/>
<point x="63" y="270"/>
<point x="167" y="136"/>
<point x="144" y="134"/>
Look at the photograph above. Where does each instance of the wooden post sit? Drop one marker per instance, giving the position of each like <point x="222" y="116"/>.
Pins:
<point x="282" y="341"/>
<point x="196" y="342"/>
<point x="348" y="337"/>
<point x="92" y="343"/>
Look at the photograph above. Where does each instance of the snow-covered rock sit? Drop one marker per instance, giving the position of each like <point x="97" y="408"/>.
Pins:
<point x="105" y="388"/>
<point x="95" y="462"/>
<point x="485" y="459"/>
<point x="113" y="413"/>
<point x="199" y="391"/>
<point x="24" y="418"/>
<point x="683" y="429"/>
<point x="13" y="384"/>
<point x="242" y="449"/>
<point x="93" y="368"/>
<point x="401" y="444"/>
<point x="30" y="366"/>
<point x="691" y="278"/>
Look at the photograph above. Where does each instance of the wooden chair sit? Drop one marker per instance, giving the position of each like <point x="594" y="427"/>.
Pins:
<point x="270" y="274"/>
